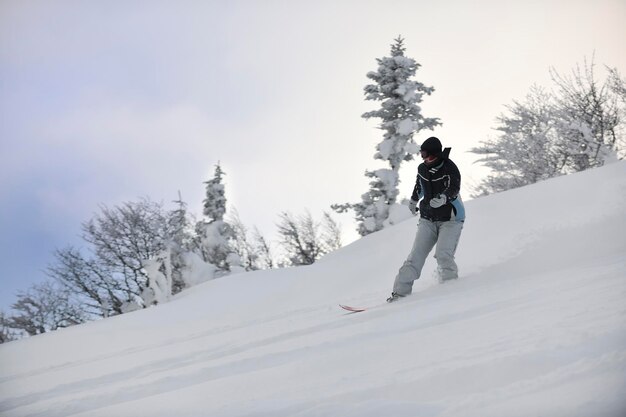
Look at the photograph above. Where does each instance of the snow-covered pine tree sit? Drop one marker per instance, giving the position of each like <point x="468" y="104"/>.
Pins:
<point x="180" y="243"/>
<point x="216" y="235"/>
<point x="215" y="200"/>
<point x="169" y="269"/>
<point x="400" y="118"/>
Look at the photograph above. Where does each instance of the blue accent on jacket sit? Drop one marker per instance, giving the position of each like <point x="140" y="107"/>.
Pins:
<point x="459" y="210"/>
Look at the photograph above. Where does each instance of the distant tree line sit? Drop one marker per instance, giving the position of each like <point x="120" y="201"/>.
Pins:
<point x="139" y="254"/>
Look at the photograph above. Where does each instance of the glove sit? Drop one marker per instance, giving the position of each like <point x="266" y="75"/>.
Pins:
<point x="413" y="207"/>
<point x="438" y="201"/>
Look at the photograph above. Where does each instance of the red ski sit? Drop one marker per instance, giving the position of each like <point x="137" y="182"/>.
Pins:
<point x="353" y="309"/>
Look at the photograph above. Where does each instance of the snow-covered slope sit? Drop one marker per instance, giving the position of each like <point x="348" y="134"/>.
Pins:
<point x="536" y="326"/>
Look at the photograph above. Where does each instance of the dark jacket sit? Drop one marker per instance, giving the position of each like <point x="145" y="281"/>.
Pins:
<point x="442" y="177"/>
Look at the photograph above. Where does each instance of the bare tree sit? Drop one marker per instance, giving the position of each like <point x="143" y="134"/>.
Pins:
<point x="303" y="240"/>
<point x="617" y="84"/>
<point x="102" y="292"/>
<point x="121" y="239"/>
<point x="331" y="233"/>
<point x="525" y="150"/>
<point x="124" y="236"/>
<point x="43" y="308"/>
<point x="7" y="334"/>
<point x="578" y="126"/>
<point x="242" y="243"/>
<point x="299" y="238"/>
<point x="263" y="249"/>
<point x="588" y="117"/>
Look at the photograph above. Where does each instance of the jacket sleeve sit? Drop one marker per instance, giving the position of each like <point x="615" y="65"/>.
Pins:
<point x="418" y="193"/>
<point x="454" y="186"/>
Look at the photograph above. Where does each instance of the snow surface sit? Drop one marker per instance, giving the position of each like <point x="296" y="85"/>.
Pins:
<point x="536" y="326"/>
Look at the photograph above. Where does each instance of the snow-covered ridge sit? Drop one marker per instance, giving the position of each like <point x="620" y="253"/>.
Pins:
<point x="535" y="326"/>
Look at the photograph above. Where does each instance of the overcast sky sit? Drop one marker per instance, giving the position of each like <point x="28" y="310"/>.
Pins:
<point x="108" y="101"/>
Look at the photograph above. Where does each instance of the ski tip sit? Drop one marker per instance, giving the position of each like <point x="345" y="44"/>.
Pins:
<point x="352" y="309"/>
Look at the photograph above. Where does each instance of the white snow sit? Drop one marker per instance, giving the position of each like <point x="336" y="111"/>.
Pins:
<point x="412" y="148"/>
<point x="406" y="127"/>
<point x="385" y="148"/>
<point x="160" y="288"/>
<point x="403" y="61"/>
<point x="196" y="270"/>
<point x="388" y="177"/>
<point x="409" y="93"/>
<point x="535" y="326"/>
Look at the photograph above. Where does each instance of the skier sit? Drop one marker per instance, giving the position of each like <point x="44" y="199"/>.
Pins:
<point x="442" y="215"/>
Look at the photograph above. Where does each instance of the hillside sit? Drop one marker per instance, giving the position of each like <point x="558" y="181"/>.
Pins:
<point x="536" y="326"/>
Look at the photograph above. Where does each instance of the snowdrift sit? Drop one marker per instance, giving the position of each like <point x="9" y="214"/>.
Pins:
<point x="536" y="325"/>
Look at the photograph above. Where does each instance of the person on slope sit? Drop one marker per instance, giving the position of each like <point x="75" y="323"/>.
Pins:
<point x="442" y="215"/>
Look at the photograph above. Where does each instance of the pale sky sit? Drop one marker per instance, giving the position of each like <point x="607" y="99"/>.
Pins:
<point x="106" y="101"/>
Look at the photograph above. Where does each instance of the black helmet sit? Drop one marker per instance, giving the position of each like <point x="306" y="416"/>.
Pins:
<point x="432" y="146"/>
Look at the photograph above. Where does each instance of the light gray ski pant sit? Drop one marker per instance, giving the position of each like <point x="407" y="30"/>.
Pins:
<point x="443" y="234"/>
